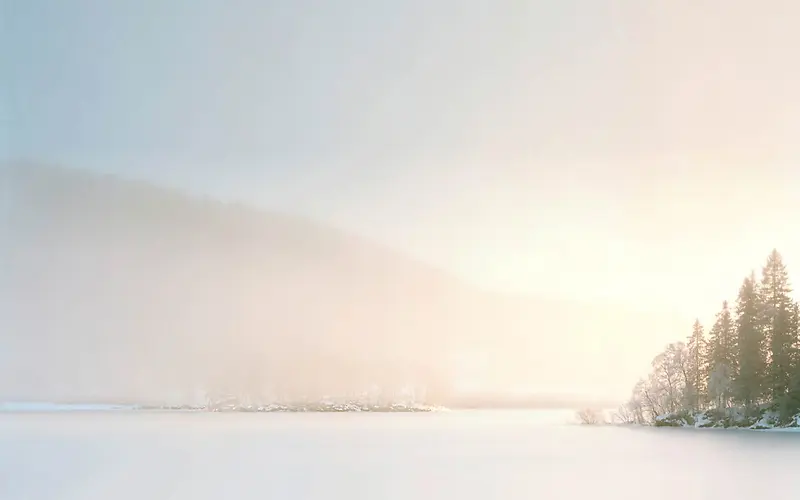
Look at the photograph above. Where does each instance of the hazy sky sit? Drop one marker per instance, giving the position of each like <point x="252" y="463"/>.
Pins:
<point x="640" y="151"/>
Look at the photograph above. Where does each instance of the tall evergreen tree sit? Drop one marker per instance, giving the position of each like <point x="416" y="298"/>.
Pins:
<point x="721" y="352"/>
<point x="696" y="376"/>
<point x="790" y="405"/>
<point x="721" y="348"/>
<point x="794" y="333"/>
<point x="778" y="325"/>
<point x="750" y="356"/>
<point x="748" y="380"/>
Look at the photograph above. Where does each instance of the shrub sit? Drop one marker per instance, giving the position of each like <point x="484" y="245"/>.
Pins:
<point x="588" y="416"/>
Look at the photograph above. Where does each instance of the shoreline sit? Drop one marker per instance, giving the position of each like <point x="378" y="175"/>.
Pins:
<point x="48" y="407"/>
<point x="731" y="418"/>
<point x="789" y="430"/>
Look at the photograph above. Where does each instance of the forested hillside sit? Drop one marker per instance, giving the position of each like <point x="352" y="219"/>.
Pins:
<point x="746" y="366"/>
<point x="116" y="289"/>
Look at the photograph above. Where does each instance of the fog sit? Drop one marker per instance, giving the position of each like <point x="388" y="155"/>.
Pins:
<point x="459" y="196"/>
<point x="119" y="290"/>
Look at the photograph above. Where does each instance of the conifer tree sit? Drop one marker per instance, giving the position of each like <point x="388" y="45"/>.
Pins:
<point x="778" y="325"/>
<point x="696" y="376"/>
<point x="748" y="380"/>
<point x="721" y="347"/>
<point x="789" y="406"/>
<point x="721" y="353"/>
<point x="751" y="355"/>
<point x="794" y="333"/>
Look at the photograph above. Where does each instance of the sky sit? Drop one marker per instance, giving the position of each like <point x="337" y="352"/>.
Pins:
<point x="637" y="152"/>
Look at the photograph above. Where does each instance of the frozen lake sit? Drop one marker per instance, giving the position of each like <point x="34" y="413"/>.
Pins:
<point x="459" y="455"/>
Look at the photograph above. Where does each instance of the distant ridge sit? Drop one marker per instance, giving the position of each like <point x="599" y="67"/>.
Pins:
<point x="117" y="289"/>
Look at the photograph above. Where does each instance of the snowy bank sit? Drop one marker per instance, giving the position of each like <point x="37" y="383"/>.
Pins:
<point x="731" y="418"/>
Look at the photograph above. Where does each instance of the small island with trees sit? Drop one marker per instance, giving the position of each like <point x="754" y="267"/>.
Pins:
<point x="745" y="373"/>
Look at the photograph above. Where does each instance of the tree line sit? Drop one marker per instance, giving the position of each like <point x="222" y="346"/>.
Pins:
<point x="748" y="359"/>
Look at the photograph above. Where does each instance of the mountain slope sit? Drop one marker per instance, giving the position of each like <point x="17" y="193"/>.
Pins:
<point x="118" y="289"/>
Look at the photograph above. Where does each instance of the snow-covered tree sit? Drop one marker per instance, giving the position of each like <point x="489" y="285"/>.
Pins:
<point x="669" y="375"/>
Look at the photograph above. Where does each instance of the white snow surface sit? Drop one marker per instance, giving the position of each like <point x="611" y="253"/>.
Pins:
<point x="465" y="455"/>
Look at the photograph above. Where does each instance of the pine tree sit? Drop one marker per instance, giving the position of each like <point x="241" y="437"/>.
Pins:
<point x="722" y="339"/>
<point x="778" y="325"/>
<point x="749" y="357"/>
<point x="794" y="333"/>
<point x="748" y="381"/>
<point x="789" y="406"/>
<point x="696" y="376"/>
<point x="721" y="354"/>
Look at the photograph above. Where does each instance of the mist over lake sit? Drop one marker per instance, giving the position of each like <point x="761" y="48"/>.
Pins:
<point x="121" y="291"/>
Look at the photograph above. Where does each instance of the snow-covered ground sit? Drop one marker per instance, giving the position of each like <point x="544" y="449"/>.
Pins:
<point x="731" y="419"/>
<point x="465" y="455"/>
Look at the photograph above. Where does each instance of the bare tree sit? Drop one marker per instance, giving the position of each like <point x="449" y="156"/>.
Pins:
<point x="589" y="416"/>
<point x="652" y="397"/>
<point x="624" y="415"/>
